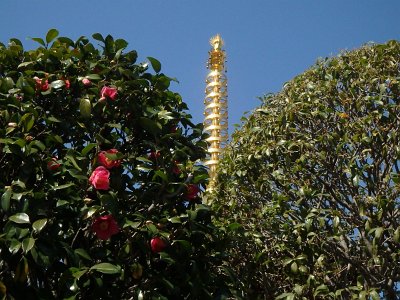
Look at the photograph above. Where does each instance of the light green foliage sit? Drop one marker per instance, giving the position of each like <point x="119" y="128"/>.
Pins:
<point x="309" y="188"/>
<point x="55" y="121"/>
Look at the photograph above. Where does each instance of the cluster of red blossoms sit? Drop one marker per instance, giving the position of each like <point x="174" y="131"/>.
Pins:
<point x="104" y="226"/>
<point x="42" y="85"/>
<point x="100" y="178"/>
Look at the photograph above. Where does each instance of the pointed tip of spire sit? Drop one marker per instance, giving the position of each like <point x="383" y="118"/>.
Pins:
<point x="217" y="42"/>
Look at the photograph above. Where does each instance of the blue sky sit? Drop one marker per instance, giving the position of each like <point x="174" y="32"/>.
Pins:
<point x="267" y="42"/>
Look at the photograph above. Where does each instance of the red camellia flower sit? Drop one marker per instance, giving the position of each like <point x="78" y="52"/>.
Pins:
<point x="154" y="155"/>
<point x="67" y="84"/>
<point x="175" y="169"/>
<point x="41" y="85"/>
<point x="86" y="82"/>
<point x="192" y="191"/>
<point x="53" y="165"/>
<point x="106" y="162"/>
<point x="100" y="178"/>
<point x="108" y="92"/>
<point x="157" y="244"/>
<point x="105" y="227"/>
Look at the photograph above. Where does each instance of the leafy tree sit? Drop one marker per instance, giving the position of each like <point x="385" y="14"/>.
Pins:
<point x="309" y="188"/>
<point x="99" y="182"/>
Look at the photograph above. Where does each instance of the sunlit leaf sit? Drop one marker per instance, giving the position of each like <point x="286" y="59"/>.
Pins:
<point x="38" y="225"/>
<point x="27" y="244"/>
<point x="155" y="64"/>
<point x="20" y="218"/>
<point x="106" y="268"/>
<point x="51" y="35"/>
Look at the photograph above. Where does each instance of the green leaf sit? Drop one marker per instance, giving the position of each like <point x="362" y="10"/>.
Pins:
<point x="27" y="121"/>
<point x="374" y="295"/>
<point x="234" y="226"/>
<point x="132" y="224"/>
<point x="155" y="64"/>
<point x="57" y="138"/>
<point x="98" y="37"/>
<point x="150" y="125"/>
<point x="160" y="174"/>
<point x="120" y="44"/>
<point x="108" y="44"/>
<point x="286" y="296"/>
<point x="175" y="220"/>
<point x="79" y="274"/>
<point x="91" y="211"/>
<point x="56" y="84"/>
<point x="38" y="225"/>
<point x="27" y="244"/>
<point x="38" y="144"/>
<point x="88" y="148"/>
<point x="356" y="180"/>
<point x="39" y="40"/>
<point x="82" y="253"/>
<point x="85" y="108"/>
<point x="61" y="203"/>
<point x="20" y="218"/>
<point x="51" y="35"/>
<point x="164" y="114"/>
<point x="63" y="186"/>
<point x="93" y="76"/>
<point x="185" y="244"/>
<point x="152" y="229"/>
<point x="322" y="289"/>
<point x="24" y="64"/>
<point x="396" y="235"/>
<point x="294" y="267"/>
<point x="73" y="161"/>
<point x="378" y="232"/>
<point x="14" y="247"/>
<point x="5" y="199"/>
<point x="7" y="84"/>
<point x="106" y="268"/>
<point x="65" y="40"/>
<point x="114" y="125"/>
<point x="53" y="119"/>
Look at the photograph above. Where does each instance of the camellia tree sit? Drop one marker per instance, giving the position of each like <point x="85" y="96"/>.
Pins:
<point x="100" y="182"/>
<point x="309" y="188"/>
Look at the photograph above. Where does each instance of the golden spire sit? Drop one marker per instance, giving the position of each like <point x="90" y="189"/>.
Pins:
<point x="216" y="106"/>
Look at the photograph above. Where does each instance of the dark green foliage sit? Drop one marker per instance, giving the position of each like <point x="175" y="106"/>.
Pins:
<point x="55" y="119"/>
<point x="309" y="188"/>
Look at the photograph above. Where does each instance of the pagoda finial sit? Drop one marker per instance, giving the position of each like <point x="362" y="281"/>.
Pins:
<point x="216" y="107"/>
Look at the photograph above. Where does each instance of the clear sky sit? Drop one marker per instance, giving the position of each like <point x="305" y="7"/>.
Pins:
<point x="267" y="42"/>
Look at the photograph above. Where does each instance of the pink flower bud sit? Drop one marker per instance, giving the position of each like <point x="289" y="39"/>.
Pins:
<point x="86" y="82"/>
